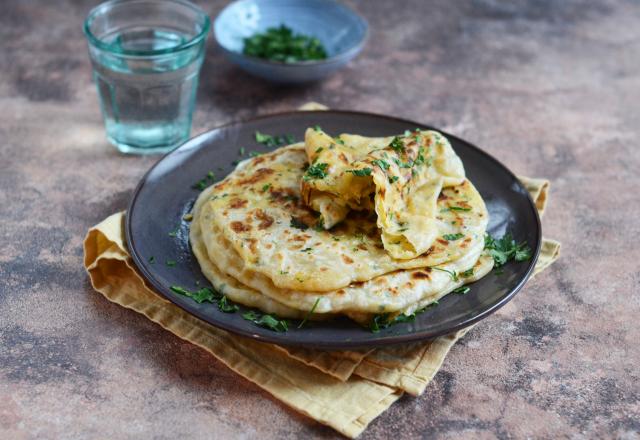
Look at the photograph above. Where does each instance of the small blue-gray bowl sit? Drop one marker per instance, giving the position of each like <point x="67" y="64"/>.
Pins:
<point x="342" y="32"/>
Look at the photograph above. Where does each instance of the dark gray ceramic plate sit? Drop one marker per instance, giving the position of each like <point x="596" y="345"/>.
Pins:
<point x="165" y="194"/>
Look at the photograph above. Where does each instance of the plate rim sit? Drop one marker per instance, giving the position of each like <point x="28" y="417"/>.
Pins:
<point x="280" y="337"/>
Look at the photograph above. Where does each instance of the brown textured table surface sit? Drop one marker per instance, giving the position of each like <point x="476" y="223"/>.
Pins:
<point x="552" y="88"/>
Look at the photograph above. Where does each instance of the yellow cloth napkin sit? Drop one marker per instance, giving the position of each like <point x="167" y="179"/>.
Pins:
<point x="343" y="389"/>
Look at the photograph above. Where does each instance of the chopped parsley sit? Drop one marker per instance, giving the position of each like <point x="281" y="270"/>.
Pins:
<point x="397" y="145"/>
<point x="241" y="151"/>
<point x="317" y="128"/>
<point x="226" y="306"/>
<point x="316" y="171"/>
<point x="309" y="249"/>
<point x="152" y="260"/>
<point x="462" y="290"/>
<point x="170" y="263"/>
<point x="298" y="223"/>
<point x="420" y="159"/>
<point x="383" y="164"/>
<point x="452" y="273"/>
<point x="339" y="141"/>
<point x="266" y="187"/>
<point x="319" y="149"/>
<point x="306" y="318"/>
<point x="266" y="321"/>
<point x="187" y="217"/>
<point x="254" y="154"/>
<point x="207" y="294"/>
<point x="458" y="208"/>
<point x="204" y="182"/>
<point x="506" y="249"/>
<point x="467" y="273"/>
<point x="453" y="237"/>
<point x="283" y="45"/>
<point x="384" y="320"/>
<point x="361" y="173"/>
<point x="273" y="141"/>
<point x="393" y="179"/>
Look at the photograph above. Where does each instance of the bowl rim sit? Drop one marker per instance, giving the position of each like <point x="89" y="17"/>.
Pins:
<point x="347" y="53"/>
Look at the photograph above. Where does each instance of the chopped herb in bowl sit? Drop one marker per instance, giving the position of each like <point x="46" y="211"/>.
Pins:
<point x="283" y="45"/>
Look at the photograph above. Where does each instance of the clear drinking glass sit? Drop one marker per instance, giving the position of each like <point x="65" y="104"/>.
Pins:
<point x="146" y="56"/>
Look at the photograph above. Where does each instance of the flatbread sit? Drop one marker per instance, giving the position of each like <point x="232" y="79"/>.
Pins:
<point x="399" y="177"/>
<point x="255" y="221"/>
<point x="327" y="304"/>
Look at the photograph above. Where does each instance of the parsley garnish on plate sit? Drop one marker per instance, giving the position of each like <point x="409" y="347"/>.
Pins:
<point x="283" y="45"/>
<point x="462" y="290"/>
<point x="316" y="171"/>
<point x="267" y="321"/>
<point x="207" y="294"/>
<point x="170" y="263"/>
<point x="273" y="141"/>
<point x="306" y="318"/>
<point x="204" y="182"/>
<point x="361" y="173"/>
<point x="384" y="320"/>
<point x="226" y="306"/>
<point x="506" y="249"/>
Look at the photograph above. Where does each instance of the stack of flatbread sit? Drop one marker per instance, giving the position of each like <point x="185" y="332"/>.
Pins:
<point x="349" y="225"/>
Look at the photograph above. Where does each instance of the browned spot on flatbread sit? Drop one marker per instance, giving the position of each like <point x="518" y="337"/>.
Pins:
<point x="428" y="251"/>
<point x="442" y="241"/>
<point x="265" y="219"/>
<point x="284" y="195"/>
<point x="253" y="245"/>
<point x="237" y="203"/>
<point x="240" y="227"/>
<point x="347" y="259"/>
<point x="257" y="176"/>
<point x="420" y="275"/>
